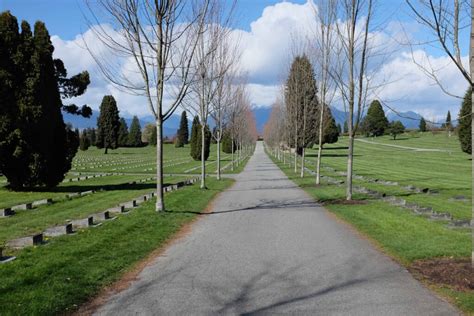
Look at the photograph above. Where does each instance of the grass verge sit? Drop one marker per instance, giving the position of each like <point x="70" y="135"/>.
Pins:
<point x="398" y="232"/>
<point x="59" y="276"/>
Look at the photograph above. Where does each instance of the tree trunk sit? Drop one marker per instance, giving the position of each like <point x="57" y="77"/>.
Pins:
<point x="203" y="161"/>
<point x="218" y="159"/>
<point x="160" y="202"/>
<point x="302" y="164"/>
<point x="471" y="66"/>
<point x="105" y="152"/>
<point x="232" y="158"/>
<point x="350" y="156"/>
<point x="320" y="146"/>
<point x="318" y="163"/>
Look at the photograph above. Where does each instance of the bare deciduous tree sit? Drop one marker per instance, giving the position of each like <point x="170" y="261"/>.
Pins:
<point x="445" y="20"/>
<point x="351" y="74"/>
<point x="155" y="43"/>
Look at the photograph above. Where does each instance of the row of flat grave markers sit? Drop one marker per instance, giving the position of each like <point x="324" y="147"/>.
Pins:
<point x="90" y="221"/>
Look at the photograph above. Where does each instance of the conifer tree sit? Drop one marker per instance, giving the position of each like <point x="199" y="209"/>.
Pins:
<point x="465" y="114"/>
<point x="422" y="125"/>
<point x="123" y="133"/>
<point x="375" y="123"/>
<point x="196" y="140"/>
<point x="108" y="124"/>
<point x="135" y="134"/>
<point x="448" y="123"/>
<point x="182" y="136"/>
<point x="84" y="141"/>
<point x="36" y="147"/>
<point x="153" y="136"/>
<point x="331" y="132"/>
<point x="346" y="127"/>
<point x="227" y="143"/>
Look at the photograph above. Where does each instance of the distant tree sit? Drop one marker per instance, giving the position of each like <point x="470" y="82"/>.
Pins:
<point x="149" y="132"/>
<point x="346" y="128"/>
<point x="448" y="123"/>
<point x="123" y="133"/>
<point x="108" y="124"/>
<point x="422" y="125"/>
<point x="375" y="122"/>
<point x="331" y="133"/>
<point x="182" y="136"/>
<point x="152" y="140"/>
<point x="84" y="141"/>
<point x="91" y="135"/>
<point x="227" y="143"/>
<point x="396" y="128"/>
<point x="135" y="134"/>
<point x="196" y="140"/>
<point x="464" y="131"/>
<point x="339" y="129"/>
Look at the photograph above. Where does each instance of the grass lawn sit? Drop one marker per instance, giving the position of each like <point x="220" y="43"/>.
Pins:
<point x="448" y="171"/>
<point x="59" y="276"/>
<point x="399" y="232"/>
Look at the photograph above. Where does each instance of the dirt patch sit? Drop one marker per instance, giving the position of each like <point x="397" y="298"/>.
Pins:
<point x="455" y="273"/>
<point x="344" y="202"/>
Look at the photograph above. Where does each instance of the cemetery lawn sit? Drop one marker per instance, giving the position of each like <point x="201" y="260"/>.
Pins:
<point x="59" y="276"/>
<point x="407" y="237"/>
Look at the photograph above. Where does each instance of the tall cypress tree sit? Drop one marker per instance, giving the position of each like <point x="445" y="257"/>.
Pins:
<point x="183" y="131"/>
<point x="108" y="124"/>
<point x="465" y="115"/>
<point x="302" y="104"/>
<point x="422" y="126"/>
<point x="135" y="134"/>
<point x="375" y="123"/>
<point x="448" y="123"/>
<point x="36" y="147"/>
<point x="153" y="136"/>
<point x="123" y="133"/>
<point x="196" y="141"/>
<point x="84" y="141"/>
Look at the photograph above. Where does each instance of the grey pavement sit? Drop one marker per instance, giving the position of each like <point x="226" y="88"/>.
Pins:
<point x="268" y="248"/>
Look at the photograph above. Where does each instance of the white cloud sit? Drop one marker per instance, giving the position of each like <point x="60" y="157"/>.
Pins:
<point x="265" y="56"/>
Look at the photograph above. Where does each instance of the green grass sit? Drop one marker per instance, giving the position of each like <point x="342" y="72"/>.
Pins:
<point x="28" y="222"/>
<point x="397" y="231"/>
<point x="448" y="172"/>
<point x="59" y="276"/>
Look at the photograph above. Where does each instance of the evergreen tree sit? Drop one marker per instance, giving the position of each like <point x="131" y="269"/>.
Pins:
<point x="465" y="115"/>
<point x="375" y="123"/>
<point x="182" y="136"/>
<point x="339" y="129"/>
<point x="448" y="123"/>
<point x="135" y="134"/>
<point x="108" y="124"/>
<point x="331" y="133"/>
<point x="92" y="136"/>
<point x="84" y="141"/>
<point x="396" y="128"/>
<point x="346" y="127"/>
<point x="196" y="141"/>
<point x="227" y="143"/>
<point x="36" y="147"/>
<point x="302" y="104"/>
<point x="153" y="136"/>
<point x="422" y="126"/>
<point x="123" y="133"/>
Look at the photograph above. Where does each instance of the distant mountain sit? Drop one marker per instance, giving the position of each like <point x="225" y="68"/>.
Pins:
<point x="262" y="114"/>
<point x="409" y="119"/>
<point x="169" y="129"/>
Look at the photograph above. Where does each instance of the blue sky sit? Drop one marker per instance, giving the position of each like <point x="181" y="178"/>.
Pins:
<point x="265" y="27"/>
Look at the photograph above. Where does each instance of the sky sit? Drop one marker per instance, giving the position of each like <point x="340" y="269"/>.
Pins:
<point x="266" y="29"/>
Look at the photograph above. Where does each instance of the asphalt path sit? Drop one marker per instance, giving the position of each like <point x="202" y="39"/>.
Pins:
<point x="268" y="248"/>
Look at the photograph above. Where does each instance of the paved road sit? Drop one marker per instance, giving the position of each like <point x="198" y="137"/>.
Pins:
<point x="269" y="249"/>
